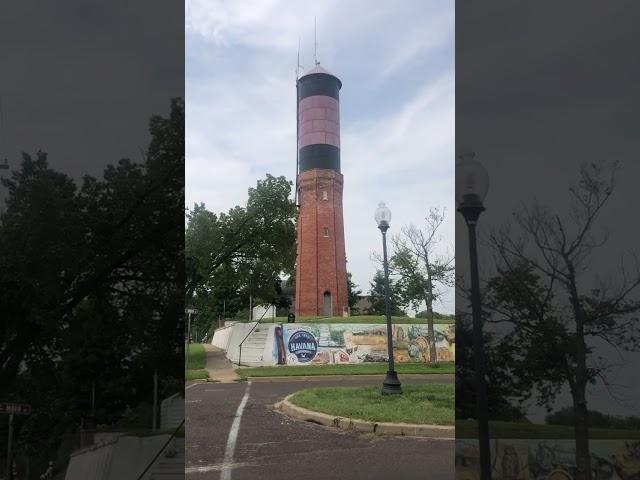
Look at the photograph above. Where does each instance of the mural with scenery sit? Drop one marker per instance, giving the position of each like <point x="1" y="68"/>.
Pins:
<point x="549" y="459"/>
<point x="331" y="343"/>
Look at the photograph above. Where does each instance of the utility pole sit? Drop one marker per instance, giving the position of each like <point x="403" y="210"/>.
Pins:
<point x="186" y="356"/>
<point x="155" y="399"/>
<point x="8" y="471"/>
<point x="11" y="409"/>
<point x="3" y="166"/>
<point x="93" y="400"/>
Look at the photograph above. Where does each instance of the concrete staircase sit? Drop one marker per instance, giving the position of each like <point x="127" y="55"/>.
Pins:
<point x="252" y="348"/>
<point x="171" y="464"/>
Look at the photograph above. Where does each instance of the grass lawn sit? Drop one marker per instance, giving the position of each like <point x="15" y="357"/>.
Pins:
<point x="355" y="369"/>
<point x="468" y="429"/>
<point x="196" y="375"/>
<point x="425" y="404"/>
<point x="196" y="363"/>
<point x="361" y="319"/>
<point x="197" y="356"/>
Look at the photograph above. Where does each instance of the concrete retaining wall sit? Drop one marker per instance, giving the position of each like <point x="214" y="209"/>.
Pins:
<point x="222" y="336"/>
<point x="171" y="411"/>
<point x="548" y="458"/>
<point x="124" y="457"/>
<point x="238" y="333"/>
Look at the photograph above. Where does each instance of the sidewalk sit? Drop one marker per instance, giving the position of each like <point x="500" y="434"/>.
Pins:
<point x="219" y="368"/>
<point x="428" y="377"/>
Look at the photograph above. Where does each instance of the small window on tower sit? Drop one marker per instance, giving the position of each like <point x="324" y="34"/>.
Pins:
<point x="325" y="196"/>
<point x="325" y="232"/>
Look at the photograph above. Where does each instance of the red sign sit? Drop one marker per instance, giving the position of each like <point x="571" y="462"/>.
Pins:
<point x="17" y="408"/>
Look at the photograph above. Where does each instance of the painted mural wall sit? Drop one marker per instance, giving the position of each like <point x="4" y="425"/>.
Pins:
<point x="333" y="343"/>
<point x="549" y="459"/>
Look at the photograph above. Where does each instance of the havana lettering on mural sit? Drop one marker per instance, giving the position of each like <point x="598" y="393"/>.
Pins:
<point x="332" y="343"/>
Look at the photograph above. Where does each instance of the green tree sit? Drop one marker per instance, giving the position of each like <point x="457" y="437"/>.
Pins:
<point x="354" y="293"/>
<point x="423" y="275"/>
<point x="377" y="297"/>
<point x="92" y="281"/>
<point x="540" y="290"/>
<point x="502" y="387"/>
<point x="427" y="314"/>
<point x="245" y="252"/>
<point x="566" y="416"/>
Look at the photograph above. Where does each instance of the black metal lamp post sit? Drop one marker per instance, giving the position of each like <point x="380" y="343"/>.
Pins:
<point x="391" y="384"/>
<point x="472" y="184"/>
<point x="189" y="311"/>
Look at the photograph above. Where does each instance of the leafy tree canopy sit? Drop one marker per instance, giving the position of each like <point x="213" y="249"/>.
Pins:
<point x="91" y="278"/>
<point x="377" y="294"/>
<point x="244" y="252"/>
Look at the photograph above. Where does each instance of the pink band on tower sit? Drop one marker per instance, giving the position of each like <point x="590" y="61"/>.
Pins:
<point x="319" y="121"/>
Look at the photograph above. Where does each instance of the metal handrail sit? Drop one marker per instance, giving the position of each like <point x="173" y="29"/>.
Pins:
<point x="250" y="332"/>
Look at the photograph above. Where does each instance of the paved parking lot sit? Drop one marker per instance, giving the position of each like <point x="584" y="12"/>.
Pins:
<point x="233" y="432"/>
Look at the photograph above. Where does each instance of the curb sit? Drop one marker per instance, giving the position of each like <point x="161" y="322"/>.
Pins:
<point x="363" y="426"/>
<point x="436" y="377"/>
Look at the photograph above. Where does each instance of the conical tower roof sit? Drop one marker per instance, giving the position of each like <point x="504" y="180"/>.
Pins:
<point x="318" y="69"/>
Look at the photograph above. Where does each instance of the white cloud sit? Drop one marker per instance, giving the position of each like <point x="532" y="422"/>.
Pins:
<point x="418" y="42"/>
<point x="262" y="24"/>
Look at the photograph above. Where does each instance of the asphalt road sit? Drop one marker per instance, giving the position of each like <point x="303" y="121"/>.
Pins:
<point x="271" y="446"/>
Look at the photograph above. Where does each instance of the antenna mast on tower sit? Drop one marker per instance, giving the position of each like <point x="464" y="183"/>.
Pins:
<point x="298" y="65"/>
<point x="295" y="193"/>
<point x="315" y="41"/>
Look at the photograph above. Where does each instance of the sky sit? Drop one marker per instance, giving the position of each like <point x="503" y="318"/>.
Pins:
<point x="80" y="82"/>
<point x="537" y="95"/>
<point x="396" y="64"/>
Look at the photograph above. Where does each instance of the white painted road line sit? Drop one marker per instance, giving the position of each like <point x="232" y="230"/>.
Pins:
<point x="233" y="437"/>
<point x="217" y="467"/>
<point x="193" y="385"/>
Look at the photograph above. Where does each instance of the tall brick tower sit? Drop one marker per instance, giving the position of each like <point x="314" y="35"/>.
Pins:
<point x="321" y="268"/>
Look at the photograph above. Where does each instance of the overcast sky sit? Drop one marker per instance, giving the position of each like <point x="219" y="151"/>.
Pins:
<point x="539" y="92"/>
<point x="81" y="81"/>
<point x="396" y="64"/>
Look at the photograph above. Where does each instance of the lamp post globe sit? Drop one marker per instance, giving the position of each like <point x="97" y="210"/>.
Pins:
<point x="391" y="384"/>
<point x="472" y="185"/>
<point x="382" y="215"/>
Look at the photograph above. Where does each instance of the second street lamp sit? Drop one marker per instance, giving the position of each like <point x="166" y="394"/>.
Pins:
<point x="391" y="384"/>
<point x="190" y="311"/>
<point x="472" y="184"/>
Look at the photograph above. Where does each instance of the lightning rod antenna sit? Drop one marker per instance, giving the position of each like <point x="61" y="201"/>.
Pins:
<point x="295" y="193"/>
<point x="315" y="41"/>
<point x="298" y="64"/>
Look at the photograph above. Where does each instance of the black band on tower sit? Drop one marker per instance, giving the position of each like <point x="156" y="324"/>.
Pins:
<point x="320" y="155"/>
<point x="319" y="84"/>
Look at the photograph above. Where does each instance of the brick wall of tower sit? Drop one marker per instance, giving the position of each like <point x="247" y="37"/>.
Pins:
<point x="321" y="265"/>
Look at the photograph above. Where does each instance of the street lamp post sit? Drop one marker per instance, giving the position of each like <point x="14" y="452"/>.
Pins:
<point x="3" y="166"/>
<point x="472" y="184"/>
<point x="391" y="384"/>
<point x="190" y="311"/>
